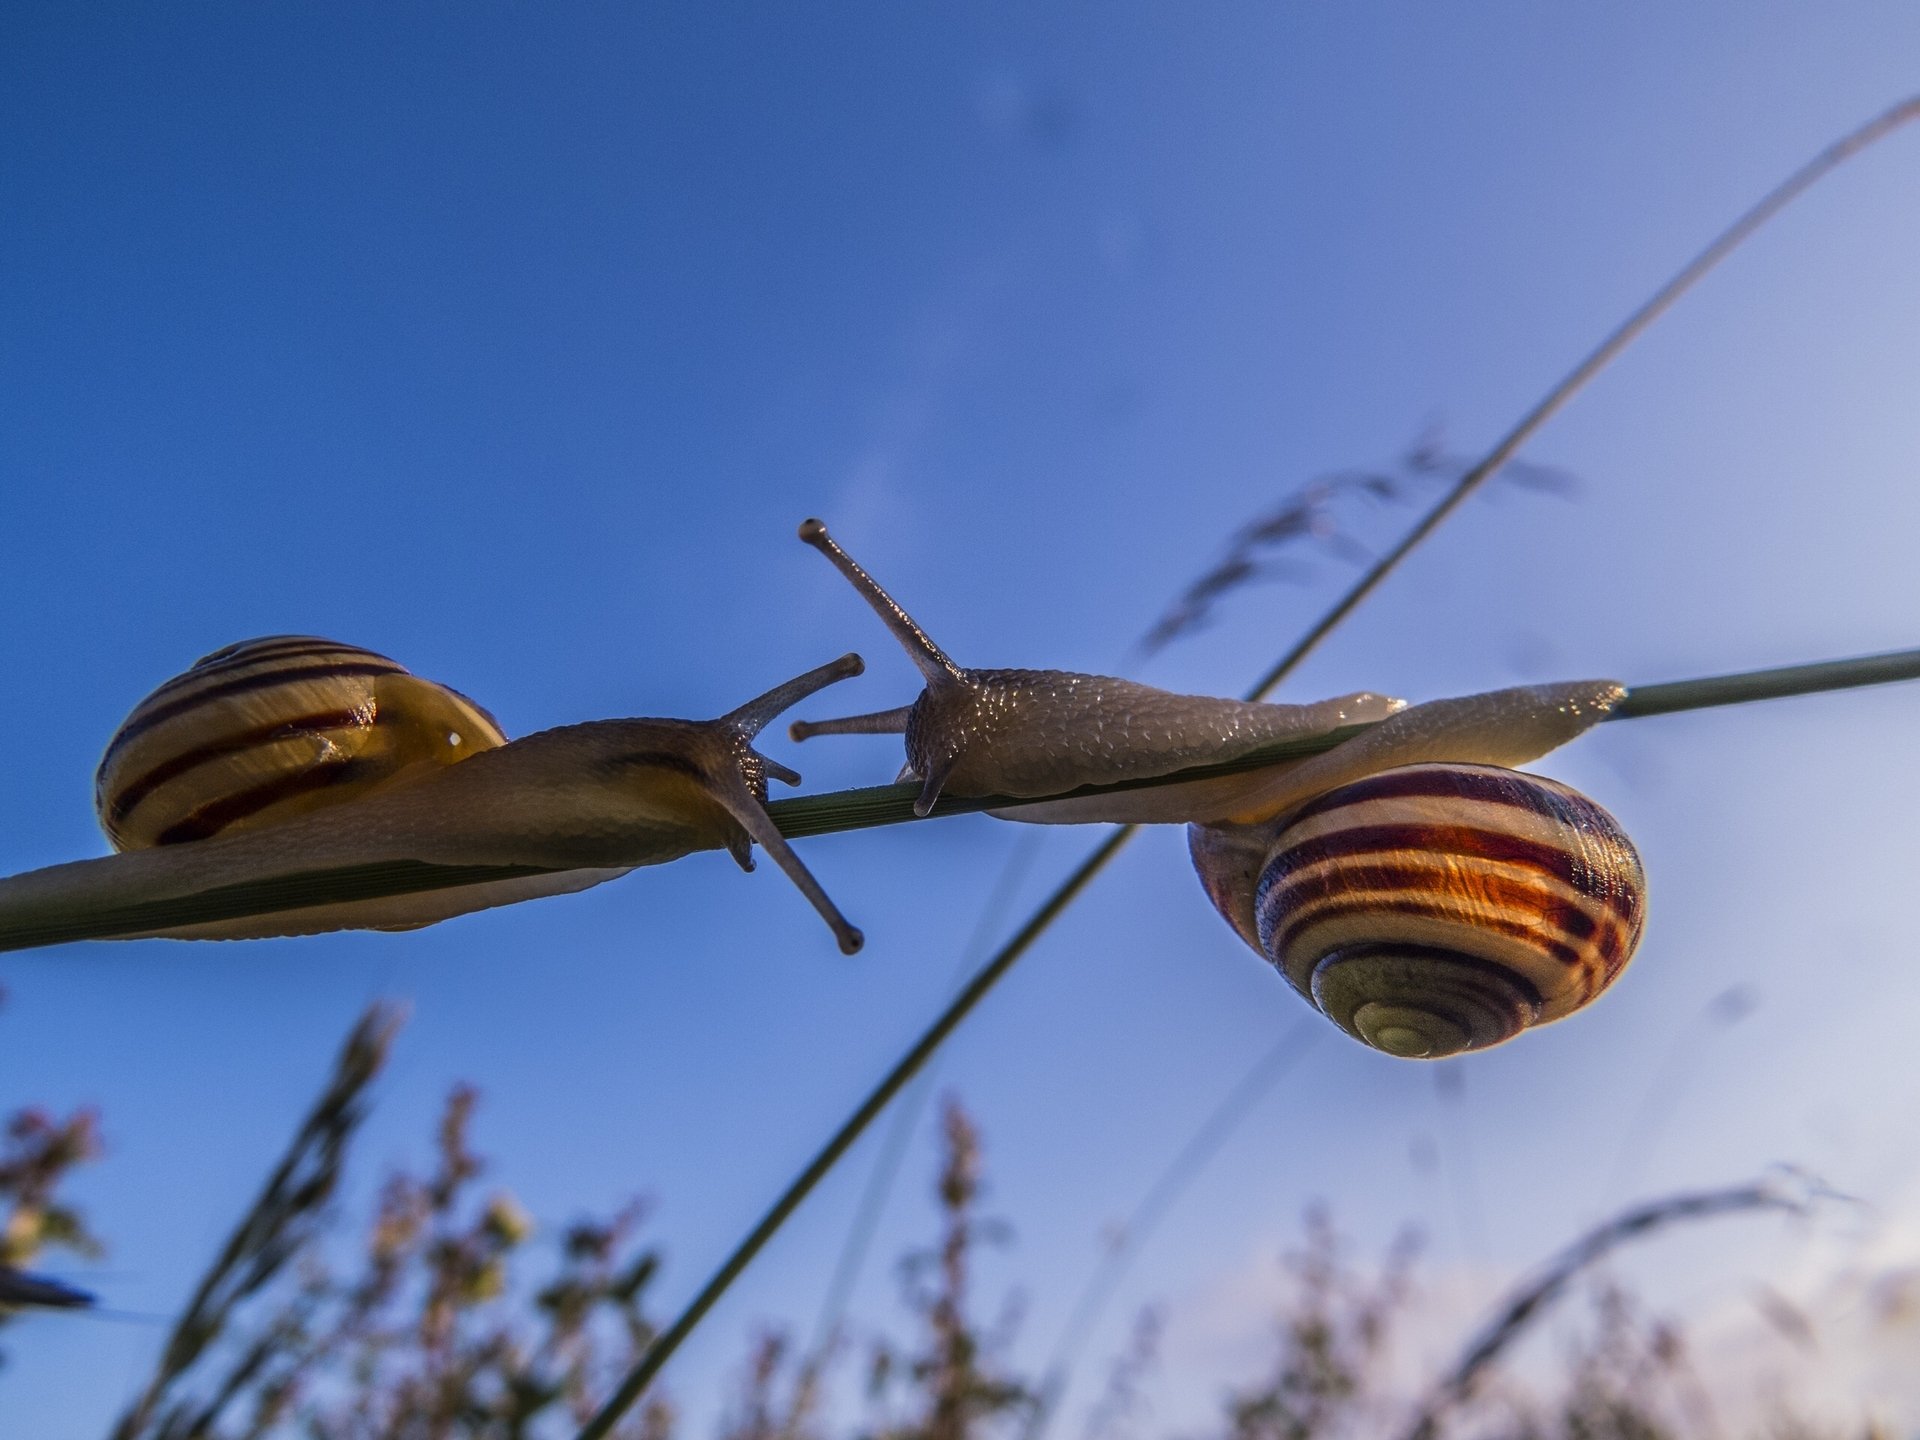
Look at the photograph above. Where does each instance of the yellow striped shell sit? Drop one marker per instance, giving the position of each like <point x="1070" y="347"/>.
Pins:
<point x="1433" y="909"/>
<point x="269" y="729"/>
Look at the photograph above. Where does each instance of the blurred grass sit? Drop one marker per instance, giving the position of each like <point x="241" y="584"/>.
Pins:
<point x="448" y="1319"/>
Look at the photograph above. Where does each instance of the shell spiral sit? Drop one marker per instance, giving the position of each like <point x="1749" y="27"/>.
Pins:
<point x="1433" y="909"/>
<point x="271" y="728"/>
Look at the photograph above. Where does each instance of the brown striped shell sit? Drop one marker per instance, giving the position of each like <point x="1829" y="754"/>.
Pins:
<point x="1433" y="909"/>
<point x="269" y="729"/>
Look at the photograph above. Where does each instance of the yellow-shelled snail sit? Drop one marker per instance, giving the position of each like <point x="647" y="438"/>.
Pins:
<point x="264" y="730"/>
<point x="1414" y="887"/>
<point x="296" y="756"/>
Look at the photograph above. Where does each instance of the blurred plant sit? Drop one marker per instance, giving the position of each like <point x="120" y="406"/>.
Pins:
<point x="1333" y="1334"/>
<point x="432" y="1333"/>
<point x="1630" y="1380"/>
<point x="1522" y="1310"/>
<point x="1130" y="1235"/>
<point x="1124" y="1402"/>
<point x="956" y="1387"/>
<point x="428" y="1336"/>
<point x="772" y="1407"/>
<point x="280" y="1226"/>
<point x="36" y="1156"/>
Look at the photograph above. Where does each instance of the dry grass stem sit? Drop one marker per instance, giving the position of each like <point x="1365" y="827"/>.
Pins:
<point x="281" y="1221"/>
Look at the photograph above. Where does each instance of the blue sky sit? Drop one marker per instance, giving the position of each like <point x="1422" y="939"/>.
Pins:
<point x="514" y="341"/>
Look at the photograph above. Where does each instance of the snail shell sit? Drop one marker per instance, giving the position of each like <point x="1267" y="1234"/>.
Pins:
<point x="269" y="729"/>
<point x="1437" y="908"/>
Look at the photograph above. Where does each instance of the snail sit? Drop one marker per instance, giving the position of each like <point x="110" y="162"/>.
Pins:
<point x="293" y="755"/>
<point x="1413" y="886"/>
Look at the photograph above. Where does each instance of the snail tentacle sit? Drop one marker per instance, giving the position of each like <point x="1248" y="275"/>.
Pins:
<point x="879" y="722"/>
<point x="928" y="658"/>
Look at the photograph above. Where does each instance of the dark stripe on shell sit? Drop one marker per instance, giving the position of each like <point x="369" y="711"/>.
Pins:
<point x="1487" y="784"/>
<point x="1427" y="876"/>
<point x="1597" y="947"/>
<point x="1484" y="1002"/>
<point x="210" y="819"/>
<point x="1499" y="974"/>
<point x="121" y="804"/>
<point x="267" y="647"/>
<point x="1346" y="847"/>
<point x="145" y="718"/>
<point x="261" y="645"/>
<point x="280" y="655"/>
<point x="474" y="705"/>
<point x="1570" y="953"/>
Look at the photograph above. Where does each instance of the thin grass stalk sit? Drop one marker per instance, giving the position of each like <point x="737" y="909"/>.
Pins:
<point x="1834" y="155"/>
<point x="864" y="809"/>
<point x="866" y="1220"/>
<point x="1192" y="1157"/>
<point x="904" y="1070"/>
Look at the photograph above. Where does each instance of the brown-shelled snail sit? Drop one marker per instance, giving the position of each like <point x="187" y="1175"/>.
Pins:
<point x="1414" y="887"/>
<point x="293" y="755"/>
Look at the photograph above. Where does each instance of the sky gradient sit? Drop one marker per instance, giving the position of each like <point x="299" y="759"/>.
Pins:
<point x="515" y="341"/>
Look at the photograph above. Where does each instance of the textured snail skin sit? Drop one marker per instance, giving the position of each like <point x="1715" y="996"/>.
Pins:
<point x="589" y="801"/>
<point x="1437" y="908"/>
<point x="1045" y="732"/>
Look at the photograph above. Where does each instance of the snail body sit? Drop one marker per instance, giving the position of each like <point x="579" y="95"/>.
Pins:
<point x="1432" y="909"/>
<point x="1025" y="733"/>
<point x="1022" y="733"/>
<point x="369" y="773"/>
